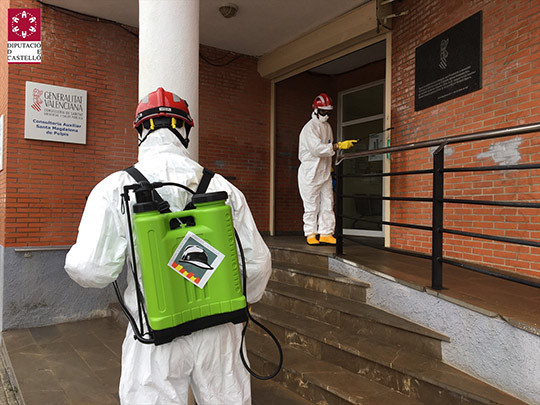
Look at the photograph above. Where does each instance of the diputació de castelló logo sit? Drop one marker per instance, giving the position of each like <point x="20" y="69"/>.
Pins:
<point x="24" y="35"/>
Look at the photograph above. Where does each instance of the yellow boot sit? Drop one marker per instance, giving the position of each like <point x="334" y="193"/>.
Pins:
<point x="312" y="240"/>
<point x="327" y="240"/>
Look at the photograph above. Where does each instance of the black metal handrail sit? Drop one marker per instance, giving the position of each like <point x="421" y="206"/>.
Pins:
<point x="438" y="200"/>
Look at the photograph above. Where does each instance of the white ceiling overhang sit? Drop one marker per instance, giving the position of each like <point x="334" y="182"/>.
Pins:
<point x="342" y="33"/>
<point x="287" y="35"/>
<point x="259" y="27"/>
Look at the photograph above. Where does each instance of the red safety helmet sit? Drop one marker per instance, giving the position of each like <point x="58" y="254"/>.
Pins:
<point x="322" y="102"/>
<point x="162" y="103"/>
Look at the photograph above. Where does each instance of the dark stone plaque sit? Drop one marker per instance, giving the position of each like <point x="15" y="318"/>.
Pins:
<point x="449" y="65"/>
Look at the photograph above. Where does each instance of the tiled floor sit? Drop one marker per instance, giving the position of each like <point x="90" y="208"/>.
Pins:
<point x="71" y="363"/>
<point x="79" y="363"/>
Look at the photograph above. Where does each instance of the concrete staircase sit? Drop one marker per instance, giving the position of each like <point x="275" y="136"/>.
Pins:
<point x="339" y="350"/>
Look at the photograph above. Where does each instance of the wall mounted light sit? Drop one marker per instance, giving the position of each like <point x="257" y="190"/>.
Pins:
<point x="228" y="10"/>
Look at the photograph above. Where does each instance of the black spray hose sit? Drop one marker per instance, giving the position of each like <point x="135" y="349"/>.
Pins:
<point x="280" y="363"/>
<point x="142" y="309"/>
<point x="138" y="333"/>
<point x="159" y="184"/>
<point x="126" y="312"/>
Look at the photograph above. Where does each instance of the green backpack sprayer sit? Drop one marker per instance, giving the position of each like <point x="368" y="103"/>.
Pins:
<point x="189" y="266"/>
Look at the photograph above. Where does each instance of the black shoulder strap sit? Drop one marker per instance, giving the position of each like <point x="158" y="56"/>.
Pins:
<point x="136" y="174"/>
<point x="205" y="181"/>
<point x="163" y="206"/>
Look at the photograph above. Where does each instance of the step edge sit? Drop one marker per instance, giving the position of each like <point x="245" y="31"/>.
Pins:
<point x="405" y="370"/>
<point x="339" y="278"/>
<point x="255" y="387"/>
<point x="426" y="332"/>
<point x="331" y="342"/>
<point x="298" y="250"/>
<point x="313" y="379"/>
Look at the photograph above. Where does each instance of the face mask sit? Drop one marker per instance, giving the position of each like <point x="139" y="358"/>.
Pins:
<point x="323" y="118"/>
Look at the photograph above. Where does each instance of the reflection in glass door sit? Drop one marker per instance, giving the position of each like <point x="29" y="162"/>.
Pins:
<point x="361" y="117"/>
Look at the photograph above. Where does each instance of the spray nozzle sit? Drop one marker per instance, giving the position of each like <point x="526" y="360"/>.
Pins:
<point x="144" y="197"/>
<point x="143" y="193"/>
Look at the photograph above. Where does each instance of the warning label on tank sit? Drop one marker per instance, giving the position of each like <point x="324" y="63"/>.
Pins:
<point x="195" y="260"/>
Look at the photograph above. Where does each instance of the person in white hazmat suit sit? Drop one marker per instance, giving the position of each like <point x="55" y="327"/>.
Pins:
<point x="208" y="359"/>
<point x="315" y="150"/>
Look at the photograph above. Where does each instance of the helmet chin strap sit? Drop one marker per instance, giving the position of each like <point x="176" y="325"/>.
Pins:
<point x="185" y="141"/>
<point x="171" y="127"/>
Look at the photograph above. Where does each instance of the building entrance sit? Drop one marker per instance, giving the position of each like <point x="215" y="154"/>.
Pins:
<point x="356" y="84"/>
<point x="361" y="117"/>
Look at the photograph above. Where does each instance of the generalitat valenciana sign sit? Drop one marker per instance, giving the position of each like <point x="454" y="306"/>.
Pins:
<point x="55" y="113"/>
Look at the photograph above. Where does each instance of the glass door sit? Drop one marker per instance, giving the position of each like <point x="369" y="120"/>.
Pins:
<point x="361" y="117"/>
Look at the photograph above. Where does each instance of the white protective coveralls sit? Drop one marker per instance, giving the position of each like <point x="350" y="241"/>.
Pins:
<point x="208" y="359"/>
<point x="315" y="151"/>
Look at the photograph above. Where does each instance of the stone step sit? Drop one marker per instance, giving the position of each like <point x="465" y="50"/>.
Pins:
<point x="294" y="256"/>
<point x="356" y="317"/>
<point x="269" y="392"/>
<point x="314" y="278"/>
<point x="318" y="381"/>
<point x="414" y="375"/>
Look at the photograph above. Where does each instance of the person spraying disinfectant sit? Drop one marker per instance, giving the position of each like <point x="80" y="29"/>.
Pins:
<point x="205" y="357"/>
<point x="315" y="150"/>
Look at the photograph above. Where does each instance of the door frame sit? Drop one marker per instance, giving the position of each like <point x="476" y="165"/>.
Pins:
<point x="340" y="125"/>
<point x="385" y="36"/>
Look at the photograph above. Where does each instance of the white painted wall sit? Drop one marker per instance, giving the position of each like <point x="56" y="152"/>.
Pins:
<point x="487" y="348"/>
<point x="169" y="53"/>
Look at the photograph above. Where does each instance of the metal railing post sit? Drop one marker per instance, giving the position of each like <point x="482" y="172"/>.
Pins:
<point x="437" y="200"/>
<point x="339" y="210"/>
<point x="437" y="219"/>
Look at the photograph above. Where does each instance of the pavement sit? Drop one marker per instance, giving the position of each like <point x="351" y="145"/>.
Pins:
<point x="70" y="363"/>
<point x="10" y="394"/>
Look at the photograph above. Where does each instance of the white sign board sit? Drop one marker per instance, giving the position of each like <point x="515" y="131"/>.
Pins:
<point x="55" y="113"/>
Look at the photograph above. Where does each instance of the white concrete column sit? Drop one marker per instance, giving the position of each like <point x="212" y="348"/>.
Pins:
<point x="169" y="53"/>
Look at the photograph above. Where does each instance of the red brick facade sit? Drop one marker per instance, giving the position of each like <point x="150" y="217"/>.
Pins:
<point x="234" y="108"/>
<point x="45" y="183"/>
<point x="3" y="111"/>
<point x="509" y="96"/>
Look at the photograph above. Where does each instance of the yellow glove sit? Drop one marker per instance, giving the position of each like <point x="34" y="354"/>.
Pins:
<point x="346" y="144"/>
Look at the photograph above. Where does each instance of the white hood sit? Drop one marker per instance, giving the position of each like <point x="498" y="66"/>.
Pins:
<point x="161" y="141"/>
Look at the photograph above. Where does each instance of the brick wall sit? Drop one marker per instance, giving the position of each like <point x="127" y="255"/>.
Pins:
<point x="509" y="96"/>
<point x="47" y="182"/>
<point x="3" y="111"/>
<point x="234" y="108"/>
